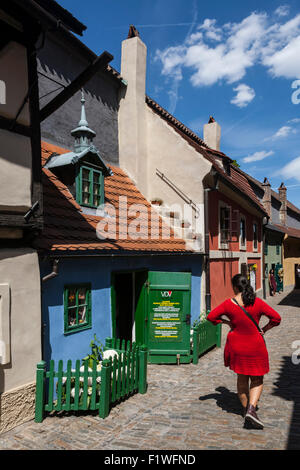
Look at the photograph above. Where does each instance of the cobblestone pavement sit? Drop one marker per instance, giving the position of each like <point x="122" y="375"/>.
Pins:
<point x="189" y="407"/>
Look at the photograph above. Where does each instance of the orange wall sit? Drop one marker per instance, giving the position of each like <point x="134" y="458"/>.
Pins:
<point x="221" y="272"/>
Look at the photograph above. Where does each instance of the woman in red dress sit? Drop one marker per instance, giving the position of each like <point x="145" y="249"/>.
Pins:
<point x="245" y="351"/>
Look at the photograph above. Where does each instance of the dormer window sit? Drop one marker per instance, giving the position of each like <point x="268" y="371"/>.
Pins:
<point x="83" y="170"/>
<point x="90" y="187"/>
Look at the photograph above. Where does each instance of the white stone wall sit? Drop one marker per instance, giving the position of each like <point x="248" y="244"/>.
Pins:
<point x="19" y="272"/>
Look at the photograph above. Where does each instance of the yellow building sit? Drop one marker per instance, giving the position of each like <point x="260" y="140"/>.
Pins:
<point x="291" y="256"/>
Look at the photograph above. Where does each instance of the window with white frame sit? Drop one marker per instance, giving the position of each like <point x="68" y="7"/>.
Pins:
<point x="242" y="232"/>
<point x="255" y="236"/>
<point x="224" y="225"/>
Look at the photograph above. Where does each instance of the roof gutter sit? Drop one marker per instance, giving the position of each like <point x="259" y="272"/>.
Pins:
<point x="43" y="16"/>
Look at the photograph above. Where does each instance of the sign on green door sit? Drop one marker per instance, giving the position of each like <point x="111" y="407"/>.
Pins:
<point x="168" y="318"/>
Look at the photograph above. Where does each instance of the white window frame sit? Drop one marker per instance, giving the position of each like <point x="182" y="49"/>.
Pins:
<point x="242" y="247"/>
<point x="255" y="250"/>
<point x="223" y="245"/>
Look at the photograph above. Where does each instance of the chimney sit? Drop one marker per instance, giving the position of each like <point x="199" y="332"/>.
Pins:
<point x="132" y="112"/>
<point x="212" y="134"/>
<point x="283" y="207"/>
<point x="267" y="199"/>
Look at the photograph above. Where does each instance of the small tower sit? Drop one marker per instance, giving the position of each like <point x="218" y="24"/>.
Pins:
<point x="83" y="134"/>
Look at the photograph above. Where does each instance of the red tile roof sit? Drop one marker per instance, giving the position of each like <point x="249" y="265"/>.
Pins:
<point x="290" y="231"/>
<point x="290" y="206"/>
<point x="68" y="229"/>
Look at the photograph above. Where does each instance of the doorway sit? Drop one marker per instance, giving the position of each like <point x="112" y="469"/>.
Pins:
<point x="124" y="312"/>
<point x="128" y="310"/>
<point x="154" y="308"/>
<point x="297" y="276"/>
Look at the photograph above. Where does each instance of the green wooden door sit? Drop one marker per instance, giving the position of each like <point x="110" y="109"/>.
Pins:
<point x="168" y="312"/>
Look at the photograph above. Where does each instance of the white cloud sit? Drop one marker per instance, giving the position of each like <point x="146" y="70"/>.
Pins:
<point x="283" y="10"/>
<point x="285" y="62"/>
<point x="291" y="170"/>
<point x="283" y="132"/>
<point x="257" y="156"/>
<point x="294" y="121"/>
<point x="244" y="95"/>
<point x="225" y="53"/>
<point x="211" y="32"/>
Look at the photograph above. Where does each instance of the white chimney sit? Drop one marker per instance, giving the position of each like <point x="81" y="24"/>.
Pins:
<point x="132" y="112"/>
<point x="212" y="134"/>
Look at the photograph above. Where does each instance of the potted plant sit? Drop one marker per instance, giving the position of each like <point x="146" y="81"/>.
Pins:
<point x="157" y="201"/>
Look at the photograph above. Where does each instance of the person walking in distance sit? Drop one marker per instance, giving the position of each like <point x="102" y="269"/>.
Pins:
<point x="245" y="351"/>
<point x="272" y="282"/>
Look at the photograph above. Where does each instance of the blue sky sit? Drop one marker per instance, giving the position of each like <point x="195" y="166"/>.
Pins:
<point x="236" y="61"/>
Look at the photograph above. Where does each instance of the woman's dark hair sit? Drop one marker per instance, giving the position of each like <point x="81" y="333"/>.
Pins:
<point x="241" y="283"/>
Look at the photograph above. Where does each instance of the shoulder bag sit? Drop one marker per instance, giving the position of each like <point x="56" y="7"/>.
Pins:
<point x="251" y="318"/>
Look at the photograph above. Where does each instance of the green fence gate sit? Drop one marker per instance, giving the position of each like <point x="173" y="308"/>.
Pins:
<point x="205" y="336"/>
<point x="95" y="388"/>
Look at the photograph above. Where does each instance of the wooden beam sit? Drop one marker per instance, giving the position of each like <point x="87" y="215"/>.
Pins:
<point x="18" y="221"/>
<point x="36" y="183"/>
<point x="98" y="64"/>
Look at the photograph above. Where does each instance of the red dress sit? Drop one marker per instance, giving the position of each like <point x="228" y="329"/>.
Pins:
<point x="245" y="350"/>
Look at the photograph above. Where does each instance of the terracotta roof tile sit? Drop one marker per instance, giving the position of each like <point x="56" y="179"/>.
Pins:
<point x="68" y="229"/>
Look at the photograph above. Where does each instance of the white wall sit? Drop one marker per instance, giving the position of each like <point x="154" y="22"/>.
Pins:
<point x="14" y="74"/>
<point x="15" y="171"/>
<point x="147" y="142"/>
<point x="19" y="273"/>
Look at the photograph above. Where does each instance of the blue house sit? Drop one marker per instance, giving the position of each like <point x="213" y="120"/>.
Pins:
<point x="109" y="265"/>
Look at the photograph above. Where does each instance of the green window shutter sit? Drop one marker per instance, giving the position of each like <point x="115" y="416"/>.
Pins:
<point x="77" y="308"/>
<point x="266" y="249"/>
<point x="89" y="187"/>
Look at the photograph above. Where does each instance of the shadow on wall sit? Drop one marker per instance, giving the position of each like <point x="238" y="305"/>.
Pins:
<point x="288" y="388"/>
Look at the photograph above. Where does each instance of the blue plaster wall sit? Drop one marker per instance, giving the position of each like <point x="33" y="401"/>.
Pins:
<point x="98" y="271"/>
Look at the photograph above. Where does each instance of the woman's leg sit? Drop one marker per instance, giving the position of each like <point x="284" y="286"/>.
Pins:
<point x="256" y="388"/>
<point x="243" y="389"/>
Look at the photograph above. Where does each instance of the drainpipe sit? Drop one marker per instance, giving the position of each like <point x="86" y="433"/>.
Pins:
<point x="54" y="272"/>
<point x="264" y="259"/>
<point x="206" y="248"/>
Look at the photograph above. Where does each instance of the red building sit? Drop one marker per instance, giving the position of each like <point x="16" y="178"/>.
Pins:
<point x="234" y="228"/>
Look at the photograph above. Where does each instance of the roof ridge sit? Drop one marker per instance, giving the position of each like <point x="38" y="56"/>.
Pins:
<point x="274" y="193"/>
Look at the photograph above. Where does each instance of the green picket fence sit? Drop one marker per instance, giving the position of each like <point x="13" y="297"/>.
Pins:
<point x="205" y="336"/>
<point x="84" y="389"/>
<point x="119" y="345"/>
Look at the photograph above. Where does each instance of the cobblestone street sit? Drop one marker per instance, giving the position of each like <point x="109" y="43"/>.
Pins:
<point x="189" y="407"/>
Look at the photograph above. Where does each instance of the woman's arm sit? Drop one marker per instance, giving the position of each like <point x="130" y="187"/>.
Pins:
<point x="274" y="317"/>
<point x="215" y="316"/>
